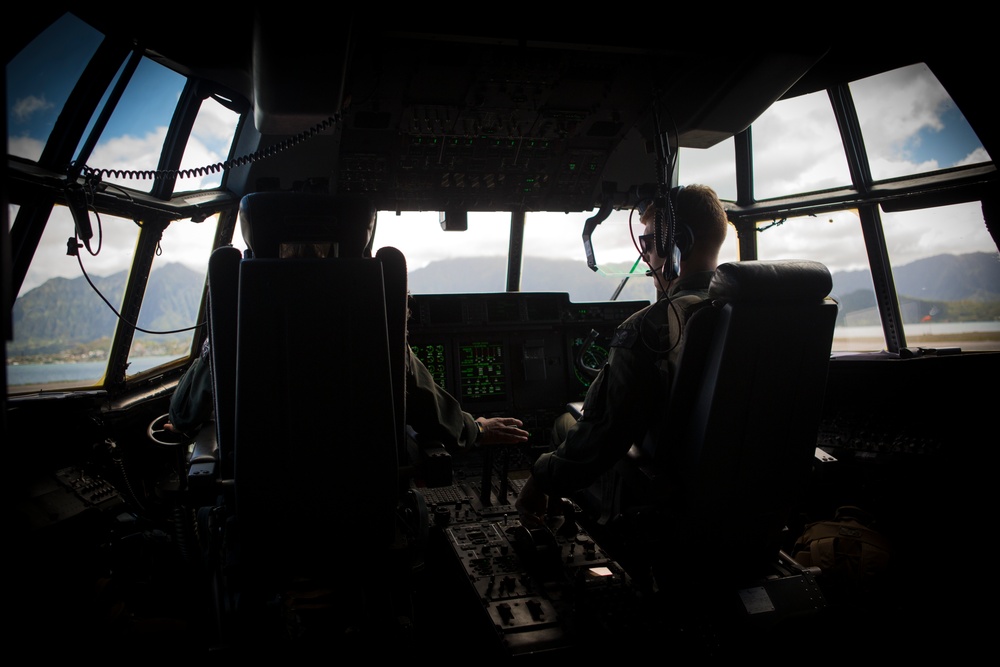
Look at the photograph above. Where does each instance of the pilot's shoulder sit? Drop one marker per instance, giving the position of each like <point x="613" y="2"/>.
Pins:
<point x="626" y="332"/>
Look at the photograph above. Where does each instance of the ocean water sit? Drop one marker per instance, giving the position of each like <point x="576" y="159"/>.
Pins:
<point x="845" y="338"/>
<point x="84" y="371"/>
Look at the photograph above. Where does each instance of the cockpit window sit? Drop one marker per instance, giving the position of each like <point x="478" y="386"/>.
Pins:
<point x="715" y="166"/>
<point x="448" y="262"/>
<point x="555" y="259"/>
<point x="134" y="136"/>
<point x="40" y="79"/>
<point x="947" y="275"/>
<point x="64" y="317"/>
<point x="211" y="138"/>
<point x="911" y="125"/>
<point x="836" y="240"/>
<point x="797" y="148"/>
<point x="167" y="323"/>
<point x="944" y="263"/>
<point x="70" y="348"/>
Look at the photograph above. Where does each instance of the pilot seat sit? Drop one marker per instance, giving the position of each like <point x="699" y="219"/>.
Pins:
<point x="701" y="509"/>
<point x="312" y="549"/>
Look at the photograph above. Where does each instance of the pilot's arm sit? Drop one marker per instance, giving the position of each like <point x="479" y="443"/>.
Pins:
<point x="436" y="414"/>
<point x="191" y="404"/>
<point x="617" y="411"/>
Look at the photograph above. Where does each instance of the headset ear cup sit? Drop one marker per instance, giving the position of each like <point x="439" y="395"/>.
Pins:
<point x="684" y="239"/>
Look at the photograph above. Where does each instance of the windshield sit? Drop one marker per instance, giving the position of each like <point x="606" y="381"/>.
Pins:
<point x="943" y="261"/>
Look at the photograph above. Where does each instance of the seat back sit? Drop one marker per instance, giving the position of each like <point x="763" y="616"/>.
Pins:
<point x="318" y="405"/>
<point x="316" y="452"/>
<point x="731" y="457"/>
<point x="223" y="293"/>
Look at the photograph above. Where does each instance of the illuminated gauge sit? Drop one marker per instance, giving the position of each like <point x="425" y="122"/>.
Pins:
<point x="588" y="359"/>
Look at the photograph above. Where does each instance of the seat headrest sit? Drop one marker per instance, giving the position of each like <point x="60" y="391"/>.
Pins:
<point x="771" y="280"/>
<point x="270" y="219"/>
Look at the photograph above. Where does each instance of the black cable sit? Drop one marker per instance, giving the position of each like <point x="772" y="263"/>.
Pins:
<point x="134" y="325"/>
<point x="256" y="156"/>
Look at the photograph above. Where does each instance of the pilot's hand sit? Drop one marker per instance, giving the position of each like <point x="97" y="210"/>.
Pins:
<point x="531" y="504"/>
<point x="501" y="431"/>
<point x="167" y="426"/>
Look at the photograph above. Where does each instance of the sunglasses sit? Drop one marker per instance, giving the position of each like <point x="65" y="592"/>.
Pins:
<point x="647" y="244"/>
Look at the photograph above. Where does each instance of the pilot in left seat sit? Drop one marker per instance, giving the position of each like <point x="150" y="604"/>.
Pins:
<point x="431" y="411"/>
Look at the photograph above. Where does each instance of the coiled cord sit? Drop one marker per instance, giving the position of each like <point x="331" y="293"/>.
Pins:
<point x="92" y="174"/>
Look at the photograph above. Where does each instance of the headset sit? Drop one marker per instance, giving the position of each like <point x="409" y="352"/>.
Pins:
<point x="683" y="237"/>
<point x="669" y="225"/>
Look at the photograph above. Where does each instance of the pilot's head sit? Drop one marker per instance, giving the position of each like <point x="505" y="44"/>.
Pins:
<point x="307" y="225"/>
<point x="306" y="250"/>
<point x="701" y="225"/>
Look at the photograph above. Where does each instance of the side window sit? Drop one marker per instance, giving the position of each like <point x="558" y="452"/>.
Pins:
<point x="911" y="125"/>
<point x="168" y="318"/>
<point x="836" y="240"/>
<point x="797" y="148"/>
<point x="134" y="136"/>
<point x="211" y="137"/>
<point x="63" y="319"/>
<point x="945" y="267"/>
<point x="947" y="273"/>
<point x="40" y="79"/>
<point x="65" y="316"/>
<point x="715" y="167"/>
<point x="66" y="312"/>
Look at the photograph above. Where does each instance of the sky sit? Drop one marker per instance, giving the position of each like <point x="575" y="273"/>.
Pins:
<point x="909" y="124"/>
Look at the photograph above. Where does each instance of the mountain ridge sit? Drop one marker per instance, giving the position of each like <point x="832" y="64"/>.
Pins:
<point x="67" y="311"/>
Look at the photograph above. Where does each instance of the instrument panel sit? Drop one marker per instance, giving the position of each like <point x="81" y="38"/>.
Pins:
<point x="519" y="354"/>
<point x="545" y="589"/>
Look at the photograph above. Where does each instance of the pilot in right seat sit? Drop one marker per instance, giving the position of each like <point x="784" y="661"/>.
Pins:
<point x="622" y="402"/>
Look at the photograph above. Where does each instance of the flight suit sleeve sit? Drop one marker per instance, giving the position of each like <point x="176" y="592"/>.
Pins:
<point x="191" y="404"/>
<point x="433" y="412"/>
<point x="616" y="414"/>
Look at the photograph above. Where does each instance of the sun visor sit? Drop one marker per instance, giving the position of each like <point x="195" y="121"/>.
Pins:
<point x="298" y="71"/>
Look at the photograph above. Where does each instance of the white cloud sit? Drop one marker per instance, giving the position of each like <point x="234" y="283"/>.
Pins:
<point x="893" y="108"/>
<point x="26" y="107"/>
<point x="215" y="122"/>
<point x="26" y="147"/>
<point x="978" y="156"/>
<point x="137" y="156"/>
<point x="796" y="148"/>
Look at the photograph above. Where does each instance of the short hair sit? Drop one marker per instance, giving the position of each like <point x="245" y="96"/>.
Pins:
<point x="698" y="207"/>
